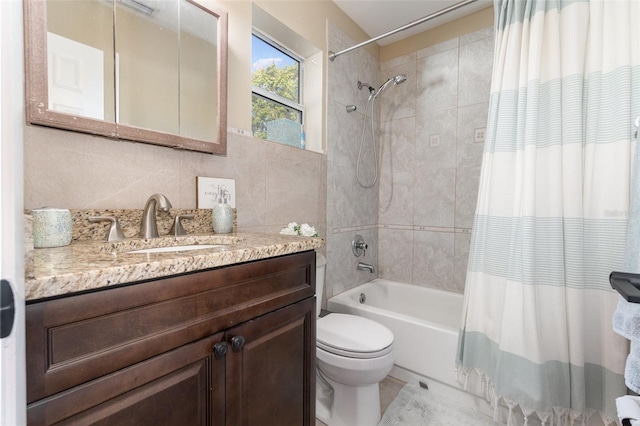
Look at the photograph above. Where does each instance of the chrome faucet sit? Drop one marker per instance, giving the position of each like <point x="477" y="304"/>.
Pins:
<point x="365" y="267"/>
<point x="149" y="225"/>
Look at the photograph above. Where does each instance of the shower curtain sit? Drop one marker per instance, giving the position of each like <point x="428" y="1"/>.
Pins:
<point x="552" y="210"/>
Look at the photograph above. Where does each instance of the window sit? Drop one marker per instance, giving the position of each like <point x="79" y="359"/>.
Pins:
<point x="276" y="106"/>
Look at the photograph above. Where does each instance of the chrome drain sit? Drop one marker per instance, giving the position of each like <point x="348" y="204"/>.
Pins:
<point x="363" y="298"/>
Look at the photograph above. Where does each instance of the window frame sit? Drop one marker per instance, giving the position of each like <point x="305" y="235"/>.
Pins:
<point x="273" y="97"/>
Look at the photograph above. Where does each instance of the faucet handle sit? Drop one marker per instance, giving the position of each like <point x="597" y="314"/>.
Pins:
<point x="177" y="229"/>
<point x="115" y="232"/>
<point x="358" y="246"/>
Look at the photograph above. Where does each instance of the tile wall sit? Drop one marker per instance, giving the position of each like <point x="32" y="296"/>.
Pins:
<point x="275" y="184"/>
<point x="351" y="209"/>
<point x="419" y="216"/>
<point x="431" y="162"/>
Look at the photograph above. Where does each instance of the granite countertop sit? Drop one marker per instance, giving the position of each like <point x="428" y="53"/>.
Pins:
<point x="88" y="265"/>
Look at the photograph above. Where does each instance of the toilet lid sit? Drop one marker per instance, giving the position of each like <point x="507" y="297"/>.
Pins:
<point x="354" y="336"/>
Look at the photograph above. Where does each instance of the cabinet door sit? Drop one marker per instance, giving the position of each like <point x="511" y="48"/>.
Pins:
<point x="182" y="387"/>
<point x="271" y="368"/>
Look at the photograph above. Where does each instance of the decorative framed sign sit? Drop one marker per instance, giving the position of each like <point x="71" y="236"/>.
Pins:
<point x="212" y="191"/>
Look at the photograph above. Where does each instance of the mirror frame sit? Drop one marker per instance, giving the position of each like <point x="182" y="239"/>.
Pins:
<point x="37" y="98"/>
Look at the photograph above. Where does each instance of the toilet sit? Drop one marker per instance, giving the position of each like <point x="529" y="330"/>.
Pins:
<point x="353" y="355"/>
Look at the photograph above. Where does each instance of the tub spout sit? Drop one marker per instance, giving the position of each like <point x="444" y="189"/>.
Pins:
<point x="366" y="267"/>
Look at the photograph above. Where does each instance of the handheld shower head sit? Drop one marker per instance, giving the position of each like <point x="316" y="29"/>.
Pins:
<point x="398" y="79"/>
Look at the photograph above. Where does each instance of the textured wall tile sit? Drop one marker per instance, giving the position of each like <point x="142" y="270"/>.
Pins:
<point x="248" y="161"/>
<point x="470" y="118"/>
<point x="395" y="256"/>
<point x="273" y="181"/>
<point x="436" y="139"/>
<point x="344" y="133"/>
<point x="420" y="184"/>
<point x="435" y="197"/>
<point x="476" y="62"/>
<point x="438" y="48"/>
<point x="469" y="160"/>
<point x="292" y="181"/>
<point x="467" y="182"/>
<point x="397" y="145"/>
<point x="342" y="86"/>
<point x="396" y="62"/>
<point x="321" y="202"/>
<point x="349" y="204"/>
<point x="397" y="197"/>
<point x="368" y="72"/>
<point x="398" y="100"/>
<point x="342" y="272"/>
<point x="437" y="82"/>
<point x="433" y="254"/>
<point x="339" y="273"/>
<point x="74" y="170"/>
<point x="462" y="241"/>
<point x="477" y="35"/>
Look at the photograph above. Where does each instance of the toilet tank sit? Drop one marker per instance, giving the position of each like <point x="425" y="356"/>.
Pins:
<point x="321" y="264"/>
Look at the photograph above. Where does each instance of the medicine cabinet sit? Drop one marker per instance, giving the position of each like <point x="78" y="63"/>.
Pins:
<point x="152" y="71"/>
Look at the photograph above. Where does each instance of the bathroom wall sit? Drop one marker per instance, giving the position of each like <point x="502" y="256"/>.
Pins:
<point x="276" y="184"/>
<point x="351" y="209"/>
<point x="417" y="221"/>
<point x="431" y="162"/>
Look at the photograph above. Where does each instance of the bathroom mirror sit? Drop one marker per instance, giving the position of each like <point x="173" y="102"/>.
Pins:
<point x="152" y="71"/>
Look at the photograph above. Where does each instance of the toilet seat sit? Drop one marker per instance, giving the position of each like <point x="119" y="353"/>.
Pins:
<point x="353" y="336"/>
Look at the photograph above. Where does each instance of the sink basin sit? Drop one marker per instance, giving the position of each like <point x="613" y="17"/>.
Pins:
<point x="168" y="244"/>
<point x="177" y="248"/>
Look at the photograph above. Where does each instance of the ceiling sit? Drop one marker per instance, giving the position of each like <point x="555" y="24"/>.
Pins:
<point x="378" y="17"/>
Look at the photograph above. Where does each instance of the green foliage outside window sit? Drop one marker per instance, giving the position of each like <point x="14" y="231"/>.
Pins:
<point x="281" y="81"/>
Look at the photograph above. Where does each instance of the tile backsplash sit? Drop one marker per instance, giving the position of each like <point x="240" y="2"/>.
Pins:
<point x="275" y="184"/>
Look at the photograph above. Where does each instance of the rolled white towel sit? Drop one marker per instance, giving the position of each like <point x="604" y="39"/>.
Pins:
<point x="632" y="368"/>
<point x="628" y="410"/>
<point x="626" y="319"/>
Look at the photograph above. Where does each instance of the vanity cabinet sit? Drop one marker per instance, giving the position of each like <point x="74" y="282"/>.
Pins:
<point x="233" y="345"/>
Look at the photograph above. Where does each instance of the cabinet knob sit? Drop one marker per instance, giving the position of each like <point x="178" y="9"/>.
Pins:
<point x="220" y="349"/>
<point x="237" y="343"/>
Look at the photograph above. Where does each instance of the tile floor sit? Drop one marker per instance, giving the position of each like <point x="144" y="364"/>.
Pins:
<point x="389" y="388"/>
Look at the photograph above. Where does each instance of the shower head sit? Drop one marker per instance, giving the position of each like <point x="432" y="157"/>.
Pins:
<point x="398" y="79"/>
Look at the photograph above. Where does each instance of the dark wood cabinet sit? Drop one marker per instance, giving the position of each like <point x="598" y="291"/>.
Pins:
<point x="232" y="345"/>
<point x="268" y="380"/>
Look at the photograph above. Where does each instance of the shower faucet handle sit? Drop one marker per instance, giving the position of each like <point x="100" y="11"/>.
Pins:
<point x="358" y="246"/>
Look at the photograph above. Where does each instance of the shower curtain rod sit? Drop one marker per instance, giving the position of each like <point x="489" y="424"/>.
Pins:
<point x="334" y="55"/>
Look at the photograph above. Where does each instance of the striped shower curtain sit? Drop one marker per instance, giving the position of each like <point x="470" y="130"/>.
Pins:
<point x="552" y="211"/>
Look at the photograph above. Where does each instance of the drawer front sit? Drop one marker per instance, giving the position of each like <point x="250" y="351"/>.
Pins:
<point x="79" y="338"/>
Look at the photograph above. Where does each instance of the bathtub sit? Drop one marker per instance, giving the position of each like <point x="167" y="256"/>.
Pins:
<point x="424" y="321"/>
